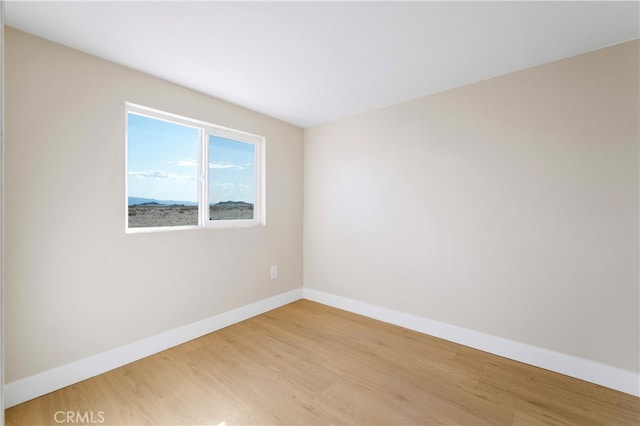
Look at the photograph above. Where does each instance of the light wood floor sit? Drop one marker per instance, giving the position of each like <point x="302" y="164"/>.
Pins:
<point x="306" y="364"/>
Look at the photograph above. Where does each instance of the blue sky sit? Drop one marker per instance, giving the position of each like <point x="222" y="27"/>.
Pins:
<point x="231" y="170"/>
<point x="163" y="163"/>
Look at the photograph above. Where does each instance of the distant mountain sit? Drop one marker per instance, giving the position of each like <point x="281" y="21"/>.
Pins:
<point x="233" y="204"/>
<point x="139" y="201"/>
<point x="133" y="201"/>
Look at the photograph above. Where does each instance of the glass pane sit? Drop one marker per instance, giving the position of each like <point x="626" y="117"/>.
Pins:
<point x="231" y="179"/>
<point x="162" y="173"/>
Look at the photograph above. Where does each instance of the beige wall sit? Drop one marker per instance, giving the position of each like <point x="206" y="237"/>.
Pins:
<point x="1" y="208"/>
<point x="75" y="283"/>
<point x="508" y="207"/>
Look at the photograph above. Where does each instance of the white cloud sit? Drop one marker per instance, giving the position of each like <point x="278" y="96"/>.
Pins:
<point x="187" y="163"/>
<point x="214" y="165"/>
<point x="160" y="174"/>
<point x="223" y="186"/>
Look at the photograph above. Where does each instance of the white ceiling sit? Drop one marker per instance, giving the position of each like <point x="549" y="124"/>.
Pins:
<point x="313" y="62"/>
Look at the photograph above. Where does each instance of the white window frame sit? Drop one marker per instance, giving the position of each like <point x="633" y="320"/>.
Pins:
<point x="205" y="130"/>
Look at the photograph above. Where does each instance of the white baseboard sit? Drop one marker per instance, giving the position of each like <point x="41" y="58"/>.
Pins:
<point x="57" y="378"/>
<point x="580" y="368"/>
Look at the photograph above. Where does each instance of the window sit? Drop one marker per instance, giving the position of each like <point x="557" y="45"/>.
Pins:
<point x="183" y="173"/>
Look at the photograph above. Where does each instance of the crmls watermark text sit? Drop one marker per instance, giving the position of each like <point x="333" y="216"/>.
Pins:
<point x="79" y="417"/>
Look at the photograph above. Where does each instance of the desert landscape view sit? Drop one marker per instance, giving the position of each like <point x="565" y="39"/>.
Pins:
<point x="155" y="214"/>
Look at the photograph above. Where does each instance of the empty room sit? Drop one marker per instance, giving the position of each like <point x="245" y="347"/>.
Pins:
<point x="299" y="213"/>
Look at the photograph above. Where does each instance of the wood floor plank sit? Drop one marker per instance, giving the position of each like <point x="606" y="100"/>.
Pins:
<point x="310" y="364"/>
<point x="555" y="398"/>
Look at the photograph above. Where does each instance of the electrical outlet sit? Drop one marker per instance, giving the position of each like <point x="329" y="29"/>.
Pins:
<point x="274" y="271"/>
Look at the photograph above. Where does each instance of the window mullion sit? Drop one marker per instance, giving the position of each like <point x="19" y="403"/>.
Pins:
<point x="203" y="186"/>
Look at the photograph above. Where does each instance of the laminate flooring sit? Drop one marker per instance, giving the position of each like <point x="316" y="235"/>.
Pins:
<point x="310" y="364"/>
